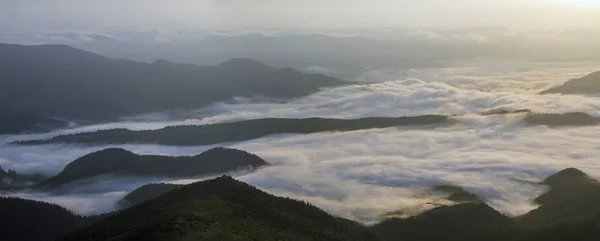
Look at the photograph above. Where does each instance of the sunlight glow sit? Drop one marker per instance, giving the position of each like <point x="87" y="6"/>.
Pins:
<point x="590" y="3"/>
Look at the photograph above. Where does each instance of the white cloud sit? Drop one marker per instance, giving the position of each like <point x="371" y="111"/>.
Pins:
<point x="364" y="174"/>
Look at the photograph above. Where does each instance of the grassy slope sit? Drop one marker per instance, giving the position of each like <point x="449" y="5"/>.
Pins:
<point x="222" y="209"/>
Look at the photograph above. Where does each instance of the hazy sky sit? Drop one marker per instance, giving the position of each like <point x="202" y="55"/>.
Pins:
<point x="31" y="15"/>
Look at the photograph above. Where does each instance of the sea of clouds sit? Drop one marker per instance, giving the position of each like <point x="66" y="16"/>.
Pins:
<point x="364" y="174"/>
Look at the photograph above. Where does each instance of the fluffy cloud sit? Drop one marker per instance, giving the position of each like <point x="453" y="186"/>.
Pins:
<point x="364" y="174"/>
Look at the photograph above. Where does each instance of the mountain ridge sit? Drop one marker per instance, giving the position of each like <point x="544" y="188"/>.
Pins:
<point x="121" y="162"/>
<point x="49" y="80"/>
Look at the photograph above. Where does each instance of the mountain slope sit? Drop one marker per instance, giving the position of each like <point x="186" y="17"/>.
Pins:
<point x="27" y="220"/>
<point x="64" y="82"/>
<point x="222" y="209"/>
<point x="467" y="221"/>
<point x="589" y="84"/>
<point x="235" y="131"/>
<point x="146" y="192"/>
<point x="121" y="162"/>
<point x="568" y="211"/>
<point x="573" y="197"/>
<point x="15" y="122"/>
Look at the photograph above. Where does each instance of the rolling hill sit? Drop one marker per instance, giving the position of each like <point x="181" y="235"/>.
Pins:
<point x="15" y="122"/>
<point x="222" y="209"/>
<point x="235" y="131"/>
<point x="120" y="162"/>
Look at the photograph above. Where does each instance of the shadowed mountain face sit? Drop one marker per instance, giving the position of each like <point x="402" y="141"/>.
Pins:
<point x="64" y="82"/>
<point x="589" y="84"/>
<point x="222" y="209"/>
<point x="14" y="122"/>
<point x="27" y="220"/>
<point x="119" y="162"/>
<point x="146" y="192"/>
<point x="194" y="135"/>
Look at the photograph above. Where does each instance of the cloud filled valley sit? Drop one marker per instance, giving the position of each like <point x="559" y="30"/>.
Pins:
<point x="366" y="173"/>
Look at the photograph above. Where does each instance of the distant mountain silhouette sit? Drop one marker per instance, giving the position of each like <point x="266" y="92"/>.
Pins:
<point x="146" y="192"/>
<point x="193" y="135"/>
<point x="27" y="220"/>
<point x="235" y="131"/>
<point x="589" y="84"/>
<point x="64" y="82"/>
<point x="120" y="162"/>
<point x="502" y="111"/>
<point x="14" y="122"/>
<point x="222" y="209"/>
<point x="557" y="120"/>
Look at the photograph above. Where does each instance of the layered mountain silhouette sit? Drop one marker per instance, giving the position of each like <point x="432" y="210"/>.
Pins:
<point x="589" y="84"/>
<point x="193" y="135"/>
<point x="27" y="220"/>
<point x="226" y="209"/>
<point x="235" y="131"/>
<point x="222" y="209"/>
<point x="120" y="162"/>
<point x="64" y="82"/>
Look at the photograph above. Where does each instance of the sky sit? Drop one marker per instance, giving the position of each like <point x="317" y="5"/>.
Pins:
<point x="36" y="15"/>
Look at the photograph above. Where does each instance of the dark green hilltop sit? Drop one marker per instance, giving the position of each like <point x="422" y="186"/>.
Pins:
<point x="222" y="209"/>
<point x="120" y="162"/>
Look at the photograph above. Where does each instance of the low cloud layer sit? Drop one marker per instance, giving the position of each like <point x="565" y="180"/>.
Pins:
<point x="363" y="174"/>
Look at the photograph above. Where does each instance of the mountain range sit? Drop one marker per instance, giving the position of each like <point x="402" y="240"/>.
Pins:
<point x="194" y="135"/>
<point x="227" y="209"/>
<point x="119" y="162"/>
<point x="16" y="122"/>
<point x="58" y="81"/>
